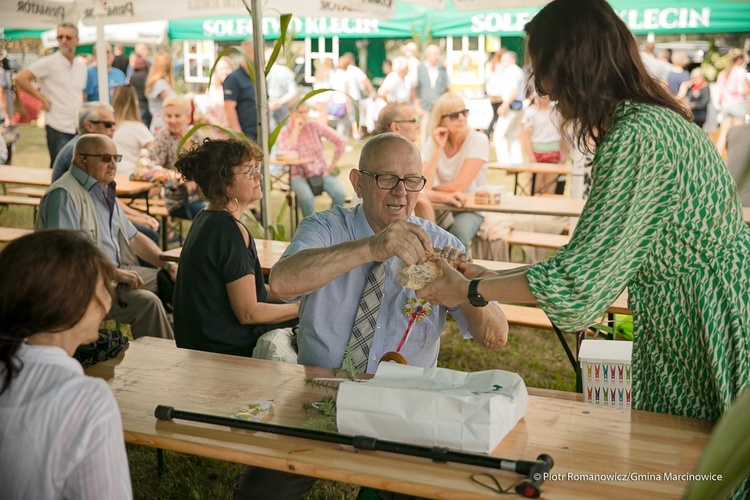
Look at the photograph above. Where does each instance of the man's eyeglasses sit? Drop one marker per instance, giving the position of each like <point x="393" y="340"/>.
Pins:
<point x="106" y="157"/>
<point x="389" y="181"/>
<point x="413" y="120"/>
<point x="103" y="122"/>
<point x="65" y="37"/>
<point x="456" y="114"/>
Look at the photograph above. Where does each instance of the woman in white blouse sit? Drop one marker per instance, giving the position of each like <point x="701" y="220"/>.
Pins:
<point x="455" y="162"/>
<point x="60" y="431"/>
<point x="131" y="135"/>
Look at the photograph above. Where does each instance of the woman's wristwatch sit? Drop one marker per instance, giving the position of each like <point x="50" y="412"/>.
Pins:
<point x="475" y="299"/>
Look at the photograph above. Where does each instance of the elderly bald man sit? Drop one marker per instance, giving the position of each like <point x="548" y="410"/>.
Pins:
<point x="83" y="199"/>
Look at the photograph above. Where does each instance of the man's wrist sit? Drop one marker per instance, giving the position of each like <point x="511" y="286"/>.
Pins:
<point x="168" y="266"/>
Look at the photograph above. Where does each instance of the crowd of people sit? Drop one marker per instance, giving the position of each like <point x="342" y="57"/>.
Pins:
<point x="663" y="219"/>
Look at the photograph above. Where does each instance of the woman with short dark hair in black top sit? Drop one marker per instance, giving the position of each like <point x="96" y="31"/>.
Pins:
<point x="221" y="301"/>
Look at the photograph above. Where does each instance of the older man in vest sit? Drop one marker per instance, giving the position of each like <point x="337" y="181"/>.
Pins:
<point x="83" y="199"/>
<point x="432" y="82"/>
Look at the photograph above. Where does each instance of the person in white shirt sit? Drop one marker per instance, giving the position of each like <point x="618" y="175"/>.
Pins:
<point x="360" y="89"/>
<point x="512" y="92"/>
<point x="131" y="136"/>
<point x="493" y="75"/>
<point x="395" y="87"/>
<point x="282" y="88"/>
<point x="60" y="431"/>
<point x="61" y="78"/>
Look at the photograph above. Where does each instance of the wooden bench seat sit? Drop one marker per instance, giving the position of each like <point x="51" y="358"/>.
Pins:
<point x="19" y="200"/>
<point x="11" y="233"/>
<point x="541" y="240"/>
<point x="27" y="191"/>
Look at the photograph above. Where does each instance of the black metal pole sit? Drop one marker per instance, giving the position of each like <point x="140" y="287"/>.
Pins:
<point x="436" y="453"/>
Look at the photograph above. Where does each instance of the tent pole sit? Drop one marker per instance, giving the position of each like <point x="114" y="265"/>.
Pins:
<point x="261" y="99"/>
<point x="101" y="57"/>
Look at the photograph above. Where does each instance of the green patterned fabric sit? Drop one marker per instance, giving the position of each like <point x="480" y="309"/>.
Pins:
<point x="664" y="219"/>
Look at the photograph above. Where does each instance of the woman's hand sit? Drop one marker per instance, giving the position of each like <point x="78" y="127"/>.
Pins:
<point x="449" y="291"/>
<point x="440" y="136"/>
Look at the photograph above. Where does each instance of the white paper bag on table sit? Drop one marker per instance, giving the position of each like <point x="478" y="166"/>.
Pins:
<point x="433" y="406"/>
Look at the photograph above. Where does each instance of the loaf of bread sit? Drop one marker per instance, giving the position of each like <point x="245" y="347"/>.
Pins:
<point x="418" y="275"/>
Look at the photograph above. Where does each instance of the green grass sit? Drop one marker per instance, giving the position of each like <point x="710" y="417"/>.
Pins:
<point x="534" y="354"/>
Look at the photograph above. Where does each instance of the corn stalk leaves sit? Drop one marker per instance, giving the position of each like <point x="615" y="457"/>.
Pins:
<point x="727" y="453"/>
<point x="285" y="20"/>
<point x="237" y="135"/>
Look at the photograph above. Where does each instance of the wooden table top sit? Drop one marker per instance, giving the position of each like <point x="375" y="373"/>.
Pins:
<point x="269" y="253"/>
<point x="535" y="205"/>
<point x="532" y="168"/>
<point x="289" y="161"/>
<point x="43" y="177"/>
<point x="619" y="306"/>
<point x="581" y="438"/>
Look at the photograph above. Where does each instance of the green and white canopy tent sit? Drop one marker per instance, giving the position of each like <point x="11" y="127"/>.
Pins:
<point x="642" y="16"/>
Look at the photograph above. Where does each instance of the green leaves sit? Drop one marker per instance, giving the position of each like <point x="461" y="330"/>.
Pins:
<point x="727" y="454"/>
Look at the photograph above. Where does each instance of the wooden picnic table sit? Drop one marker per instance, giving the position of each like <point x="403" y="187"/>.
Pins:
<point x="582" y="438"/>
<point x="533" y="169"/>
<point x="43" y="177"/>
<point x="534" y="205"/>
<point x="269" y="253"/>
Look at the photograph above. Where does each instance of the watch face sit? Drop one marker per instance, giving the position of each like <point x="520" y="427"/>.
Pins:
<point x="477" y="300"/>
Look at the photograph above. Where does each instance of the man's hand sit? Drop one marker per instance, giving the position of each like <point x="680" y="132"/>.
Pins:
<point x="440" y="135"/>
<point x="144" y="220"/>
<point x="450" y="290"/>
<point x="130" y="278"/>
<point x="274" y="104"/>
<point x="401" y="239"/>
<point x="46" y="103"/>
<point x="171" y="269"/>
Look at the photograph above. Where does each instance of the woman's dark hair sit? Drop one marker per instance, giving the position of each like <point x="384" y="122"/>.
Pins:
<point x="48" y="280"/>
<point x="211" y="165"/>
<point x="585" y="58"/>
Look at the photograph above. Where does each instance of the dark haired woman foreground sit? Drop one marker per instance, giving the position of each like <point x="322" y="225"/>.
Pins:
<point x="663" y="219"/>
<point x="221" y="301"/>
<point x="60" y="431"/>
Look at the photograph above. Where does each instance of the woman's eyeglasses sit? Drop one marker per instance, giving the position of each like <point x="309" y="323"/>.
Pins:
<point x="106" y="157"/>
<point x="456" y="114"/>
<point x="250" y="173"/>
<point x="389" y="181"/>
<point x="103" y="122"/>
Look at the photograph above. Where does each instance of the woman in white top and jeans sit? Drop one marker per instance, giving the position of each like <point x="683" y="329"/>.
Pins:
<point x="60" y="431"/>
<point x="455" y="162"/>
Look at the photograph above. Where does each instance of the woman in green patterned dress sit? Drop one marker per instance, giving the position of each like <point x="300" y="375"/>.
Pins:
<point x="663" y="219"/>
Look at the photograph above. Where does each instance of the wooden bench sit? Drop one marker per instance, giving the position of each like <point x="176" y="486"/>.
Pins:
<point x="541" y="240"/>
<point x="27" y="191"/>
<point x="11" y="233"/>
<point x="21" y="200"/>
<point x="160" y="211"/>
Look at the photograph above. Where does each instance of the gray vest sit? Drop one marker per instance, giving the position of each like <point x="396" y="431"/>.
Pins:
<point x="87" y="222"/>
<point x="426" y="93"/>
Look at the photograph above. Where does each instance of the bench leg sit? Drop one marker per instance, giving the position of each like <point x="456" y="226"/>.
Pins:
<point x="160" y="462"/>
